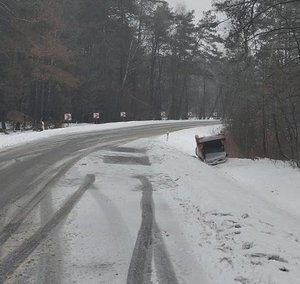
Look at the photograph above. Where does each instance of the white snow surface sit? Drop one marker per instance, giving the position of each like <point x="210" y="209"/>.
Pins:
<point x="237" y="222"/>
<point x="241" y="218"/>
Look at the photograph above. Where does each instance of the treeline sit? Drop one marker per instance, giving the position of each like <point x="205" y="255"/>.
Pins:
<point x="106" y="56"/>
<point x="143" y="58"/>
<point x="261" y="92"/>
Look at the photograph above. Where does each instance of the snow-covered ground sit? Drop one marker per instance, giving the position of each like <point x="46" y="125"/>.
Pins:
<point x="233" y="223"/>
<point x="241" y="218"/>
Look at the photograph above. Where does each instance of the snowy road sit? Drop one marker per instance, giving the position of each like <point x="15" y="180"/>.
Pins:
<point x="23" y="165"/>
<point x="46" y="236"/>
<point x="109" y="207"/>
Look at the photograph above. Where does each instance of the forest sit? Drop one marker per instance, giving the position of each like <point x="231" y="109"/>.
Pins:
<point x="239" y="62"/>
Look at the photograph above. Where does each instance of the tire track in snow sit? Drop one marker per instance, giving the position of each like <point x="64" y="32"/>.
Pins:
<point x="140" y="269"/>
<point x="12" y="261"/>
<point x="163" y="266"/>
<point x="55" y="174"/>
<point x="43" y="183"/>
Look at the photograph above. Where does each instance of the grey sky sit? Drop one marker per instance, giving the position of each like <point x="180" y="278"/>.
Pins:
<point x="198" y="5"/>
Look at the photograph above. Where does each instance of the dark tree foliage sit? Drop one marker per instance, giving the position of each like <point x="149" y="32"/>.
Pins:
<point x="261" y="77"/>
<point x="106" y="56"/>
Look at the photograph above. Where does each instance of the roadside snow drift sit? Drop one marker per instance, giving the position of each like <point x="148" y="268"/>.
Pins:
<point x="240" y="219"/>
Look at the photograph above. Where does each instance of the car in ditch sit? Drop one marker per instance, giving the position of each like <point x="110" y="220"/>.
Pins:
<point x="211" y="149"/>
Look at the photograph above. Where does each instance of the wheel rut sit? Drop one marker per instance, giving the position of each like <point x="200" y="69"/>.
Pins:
<point x="9" y="229"/>
<point x="13" y="260"/>
<point x="149" y="245"/>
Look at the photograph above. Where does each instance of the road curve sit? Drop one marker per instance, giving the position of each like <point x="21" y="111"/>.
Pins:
<point x="28" y="172"/>
<point x="29" y="166"/>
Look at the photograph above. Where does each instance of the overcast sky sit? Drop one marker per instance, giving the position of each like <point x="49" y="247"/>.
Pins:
<point x="198" y="5"/>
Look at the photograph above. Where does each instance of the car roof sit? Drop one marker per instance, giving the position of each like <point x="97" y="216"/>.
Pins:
<point x="209" y="138"/>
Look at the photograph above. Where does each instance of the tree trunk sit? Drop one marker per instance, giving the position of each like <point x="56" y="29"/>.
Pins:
<point x="264" y="138"/>
<point x="203" y="107"/>
<point x="152" y="80"/>
<point x="3" y="124"/>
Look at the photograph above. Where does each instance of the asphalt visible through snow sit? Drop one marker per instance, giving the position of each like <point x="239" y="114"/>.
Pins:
<point x="12" y="261"/>
<point x="28" y="173"/>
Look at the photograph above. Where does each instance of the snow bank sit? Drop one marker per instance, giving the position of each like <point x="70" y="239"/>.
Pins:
<point x="241" y="218"/>
<point x="274" y="181"/>
<point x="184" y="140"/>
